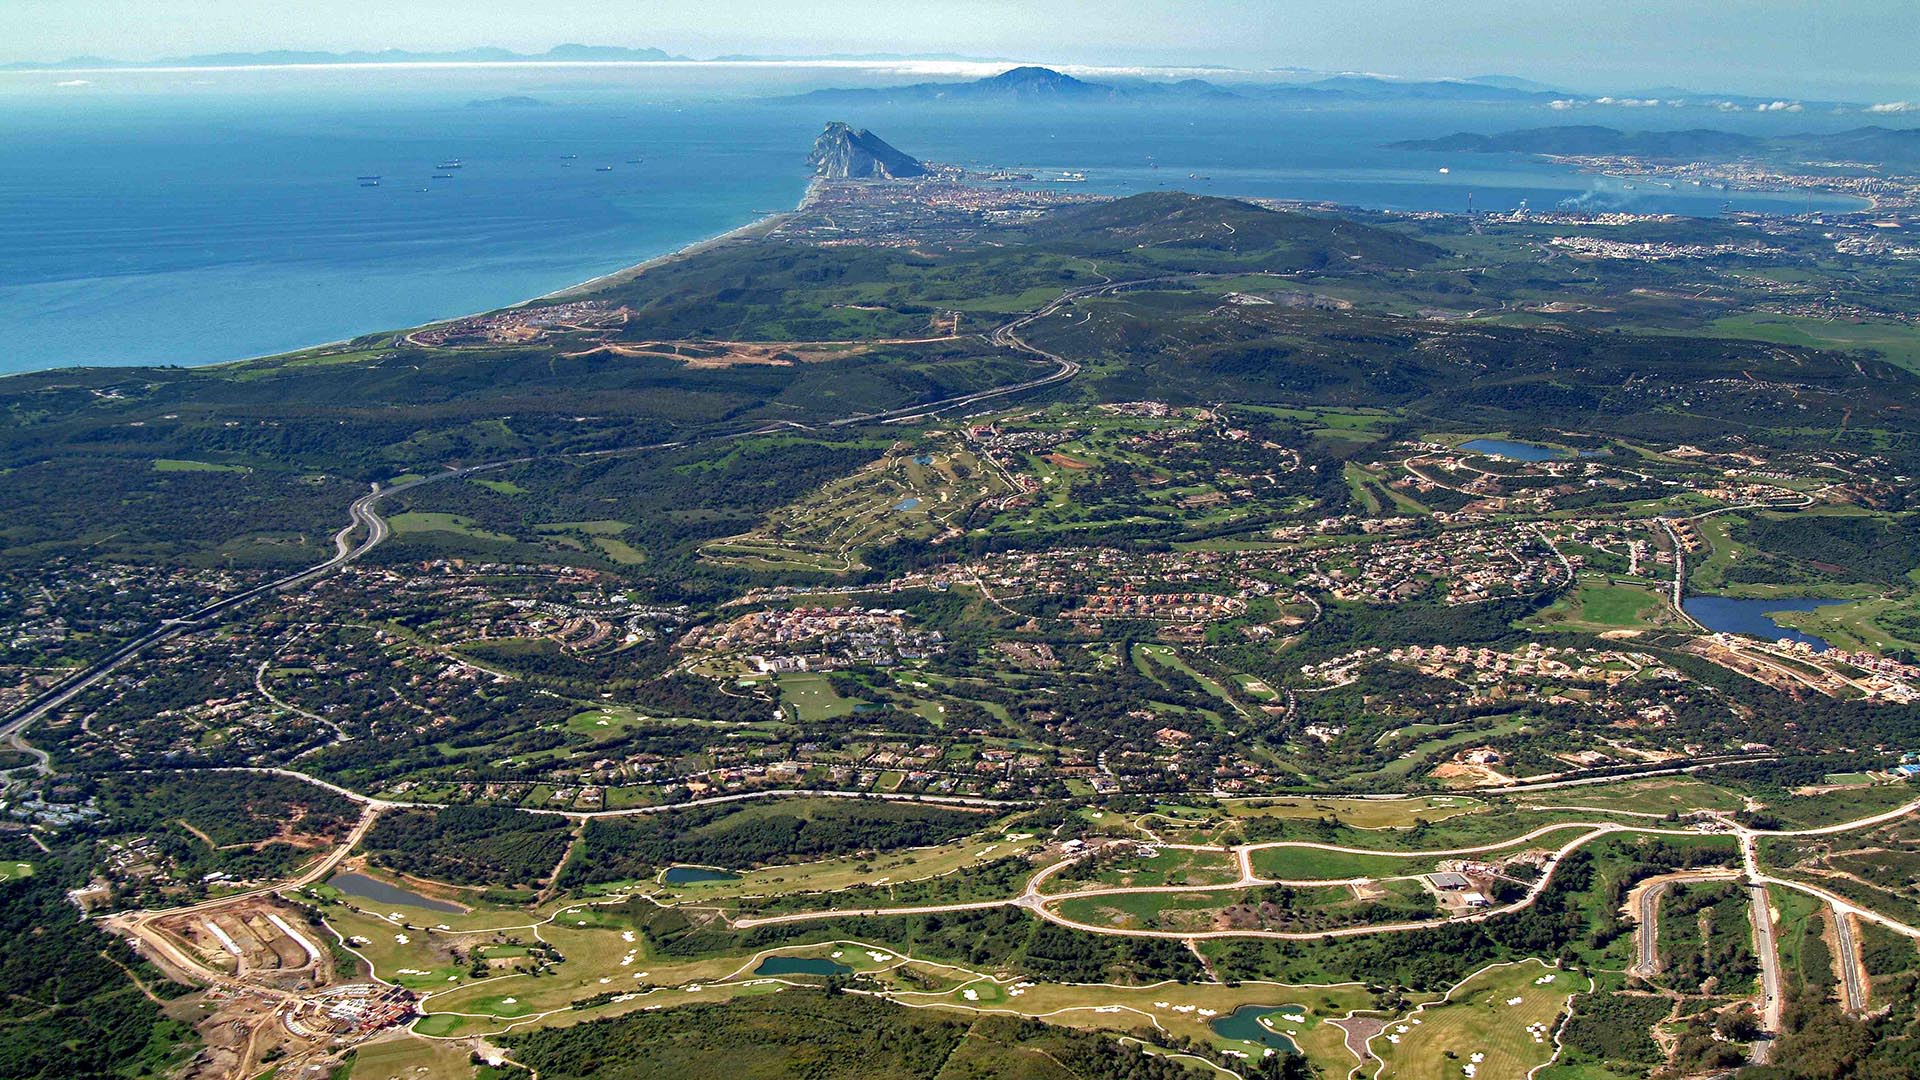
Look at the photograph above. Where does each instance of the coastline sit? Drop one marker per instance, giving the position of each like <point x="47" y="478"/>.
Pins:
<point x="756" y="227"/>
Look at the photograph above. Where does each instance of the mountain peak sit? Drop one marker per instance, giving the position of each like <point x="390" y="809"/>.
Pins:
<point x="841" y="153"/>
<point x="1033" y="73"/>
<point x="1034" y="81"/>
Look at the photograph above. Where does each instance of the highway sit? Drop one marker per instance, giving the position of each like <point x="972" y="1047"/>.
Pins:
<point x="1853" y="976"/>
<point x="361" y="514"/>
<point x="1647" y="941"/>
<point x="1772" y="992"/>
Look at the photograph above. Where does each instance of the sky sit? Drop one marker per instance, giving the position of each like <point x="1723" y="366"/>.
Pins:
<point x="1844" y="49"/>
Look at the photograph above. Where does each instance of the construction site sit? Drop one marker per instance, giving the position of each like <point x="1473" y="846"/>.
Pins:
<point x="258" y="940"/>
<point x="274" y="989"/>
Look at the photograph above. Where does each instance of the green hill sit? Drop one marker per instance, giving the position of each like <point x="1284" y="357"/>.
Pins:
<point x="1176" y="228"/>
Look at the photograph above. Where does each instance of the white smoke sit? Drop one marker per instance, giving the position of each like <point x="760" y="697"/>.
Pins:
<point x="1606" y="193"/>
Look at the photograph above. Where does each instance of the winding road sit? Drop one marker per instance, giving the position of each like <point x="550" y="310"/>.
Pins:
<point x="363" y="515"/>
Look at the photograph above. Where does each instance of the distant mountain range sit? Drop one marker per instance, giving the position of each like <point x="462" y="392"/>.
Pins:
<point x="1040" y="85"/>
<point x="1025" y="83"/>
<point x="1029" y="83"/>
<point x="1893" y="147"/>
<point x="285" y="57"/>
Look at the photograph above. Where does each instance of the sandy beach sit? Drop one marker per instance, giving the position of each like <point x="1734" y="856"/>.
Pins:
<point x="759" y="227"/>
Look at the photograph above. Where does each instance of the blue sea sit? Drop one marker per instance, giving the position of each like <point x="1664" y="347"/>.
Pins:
<point x="192" y="217"/>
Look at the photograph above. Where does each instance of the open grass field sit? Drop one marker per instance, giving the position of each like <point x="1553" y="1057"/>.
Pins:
<point x="603" y="534"/>
<point x="1301" y="863"/>
<point x="1656" y="795"/>
<point x="1499" y="1022"/>
<point x="13" y="871"/>
<point x="501" y="487"/>
<point x="1897" y="342"/>
<point x="1360" y="813"/>
<point x="812" y="698"/>
<point x="605" y="722"/>
<point x="619" y="550"/>
<point x="1165" y="911"/>
<point x="1598" y="606"/>
<point x="1179" y="1010"/>
<point x="1313" y="864"/>
<point x="1860" y="625"/>
<point x="827" y="875"/>
<point x="605" y="956"/>
<point x="1168" y="866"/>
<point x="411" y="1058"/>
<point x="185" y="465"/>
<point x="415" y="522"/>
<point x="1799" y="919"/>
<point x="1845" y="804"/>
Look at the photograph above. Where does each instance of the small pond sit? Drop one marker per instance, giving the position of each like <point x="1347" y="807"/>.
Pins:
<point x="907" y="504"/>
<point x="689" y="875"/>
<point x="1731" y="615"/>
<point x="1244" y="1024"/>
<point x="381" y="892"/>
<point x="800" y="965"/>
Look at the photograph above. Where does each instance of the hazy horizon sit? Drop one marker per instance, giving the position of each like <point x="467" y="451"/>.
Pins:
<point x="1851" y="51"/>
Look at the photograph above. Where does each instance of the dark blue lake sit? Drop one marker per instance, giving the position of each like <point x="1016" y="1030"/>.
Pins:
<point x="380" y="892"/>
<point x="1244" y="1024"/>
<point x="800" y="965"/>
<point x="1738" y="616"/>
